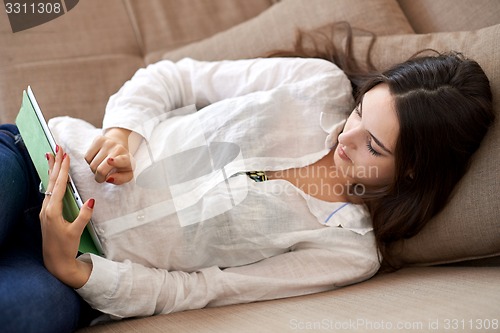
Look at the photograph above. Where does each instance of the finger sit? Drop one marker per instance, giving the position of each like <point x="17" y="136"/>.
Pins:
<point x="121" y="162"/>
<point x="50" y="160"/>
<point x="94" y="148"/>
<point x="123" y="172"/>
<point x="50" y="206"/>
<point x="104" y="168"/>
<point x="100" y="149"/>
<point x="98" y="159"/>
<point x="61" y="182"/>
<point x="102" y="172"/>
<point x="54" y="166"/>
<point x="117" y="164"/>
<point x="84" y="216"/>
<point x="119" y="178"/>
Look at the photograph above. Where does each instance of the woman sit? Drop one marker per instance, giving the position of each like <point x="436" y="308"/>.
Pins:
<point x="318" y="222"/>
<point x="327" y="205"/>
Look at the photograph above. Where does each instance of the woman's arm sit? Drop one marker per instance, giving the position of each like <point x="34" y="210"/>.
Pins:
<point x="128" y="289"/>
<point x="155" y="91"/>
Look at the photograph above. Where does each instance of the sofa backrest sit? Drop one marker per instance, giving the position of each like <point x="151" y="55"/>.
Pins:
<point x="426" y="16"/>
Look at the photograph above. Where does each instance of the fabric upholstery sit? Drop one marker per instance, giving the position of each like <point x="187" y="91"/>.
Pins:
<point x="428" y="16"/>
<point x="75" y="62"/>
<point x="276" y="27"/>
<point x="409" y="300"/>
<point x="92" y="29"/>
<point x="79" y="87"/>
<point x="186" y="21"/>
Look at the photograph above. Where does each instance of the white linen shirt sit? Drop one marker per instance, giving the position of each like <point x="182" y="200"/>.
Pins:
<point x="201" y="233"/>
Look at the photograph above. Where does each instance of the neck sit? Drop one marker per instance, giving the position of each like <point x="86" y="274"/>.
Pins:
<point x="321" y="180"/>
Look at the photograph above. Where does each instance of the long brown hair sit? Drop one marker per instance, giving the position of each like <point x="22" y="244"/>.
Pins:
<point x="444" y="107"/>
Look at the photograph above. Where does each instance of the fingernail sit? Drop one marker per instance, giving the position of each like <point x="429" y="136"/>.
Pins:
<point x="110" y="180"/>
<point x="91" y="203"/>
<point x="64" y="156"/>
<point x="47" y="156"/>
<point x="111" y="159"/>
<point x="57" y="148"/>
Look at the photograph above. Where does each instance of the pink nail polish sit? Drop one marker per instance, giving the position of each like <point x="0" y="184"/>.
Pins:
<point x="91" y="203"/>
<point x="111" y="159"/>
<point x="64" y="156"/>
<point x="47" y="156"/>
<point x="57" y="148"/>
<point x="110" y="180"/>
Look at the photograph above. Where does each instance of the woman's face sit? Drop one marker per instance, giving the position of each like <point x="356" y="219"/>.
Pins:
<point x="365" y="152"/>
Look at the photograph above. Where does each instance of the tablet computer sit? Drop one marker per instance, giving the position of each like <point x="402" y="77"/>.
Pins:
<point x="39" y="140"/>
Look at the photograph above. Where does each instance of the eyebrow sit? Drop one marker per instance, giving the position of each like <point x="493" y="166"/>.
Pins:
<point x="379" y="143"/>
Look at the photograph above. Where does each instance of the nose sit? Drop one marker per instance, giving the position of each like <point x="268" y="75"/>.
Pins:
<point x="348" y="138"/>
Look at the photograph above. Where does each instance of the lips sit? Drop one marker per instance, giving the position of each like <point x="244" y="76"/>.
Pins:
<point x="342" y="154"/>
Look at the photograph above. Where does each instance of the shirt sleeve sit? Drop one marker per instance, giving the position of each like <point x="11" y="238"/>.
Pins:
<point x="155" y="91"/>
<point x="129" y="290"/>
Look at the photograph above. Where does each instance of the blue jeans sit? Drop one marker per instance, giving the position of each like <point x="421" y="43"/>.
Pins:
<point x="31" y="299"/>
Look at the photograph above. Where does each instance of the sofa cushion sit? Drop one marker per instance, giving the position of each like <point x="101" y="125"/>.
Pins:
<point x="165" y="25"/>
<point x="92" y="28"/>
<point x="78" y="87"/>
<point x="423" y="299"/>
<point x="468" y="226"/>
<point x="73" y="63"/>
<point x="276" y="27"/>
<point x="428" y="16"/>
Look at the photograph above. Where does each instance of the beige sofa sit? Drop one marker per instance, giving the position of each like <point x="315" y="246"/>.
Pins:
<point x="452" y="282"/>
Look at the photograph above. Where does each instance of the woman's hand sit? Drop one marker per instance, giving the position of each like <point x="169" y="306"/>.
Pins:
<point x="109" y="157"/>
<point x="60" y="237"/>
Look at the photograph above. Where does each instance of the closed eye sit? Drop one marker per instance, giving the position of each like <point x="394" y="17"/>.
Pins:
<point x="359" y="112"/>
<point x="369" y="144"/>
<point x="371" y="150"/>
